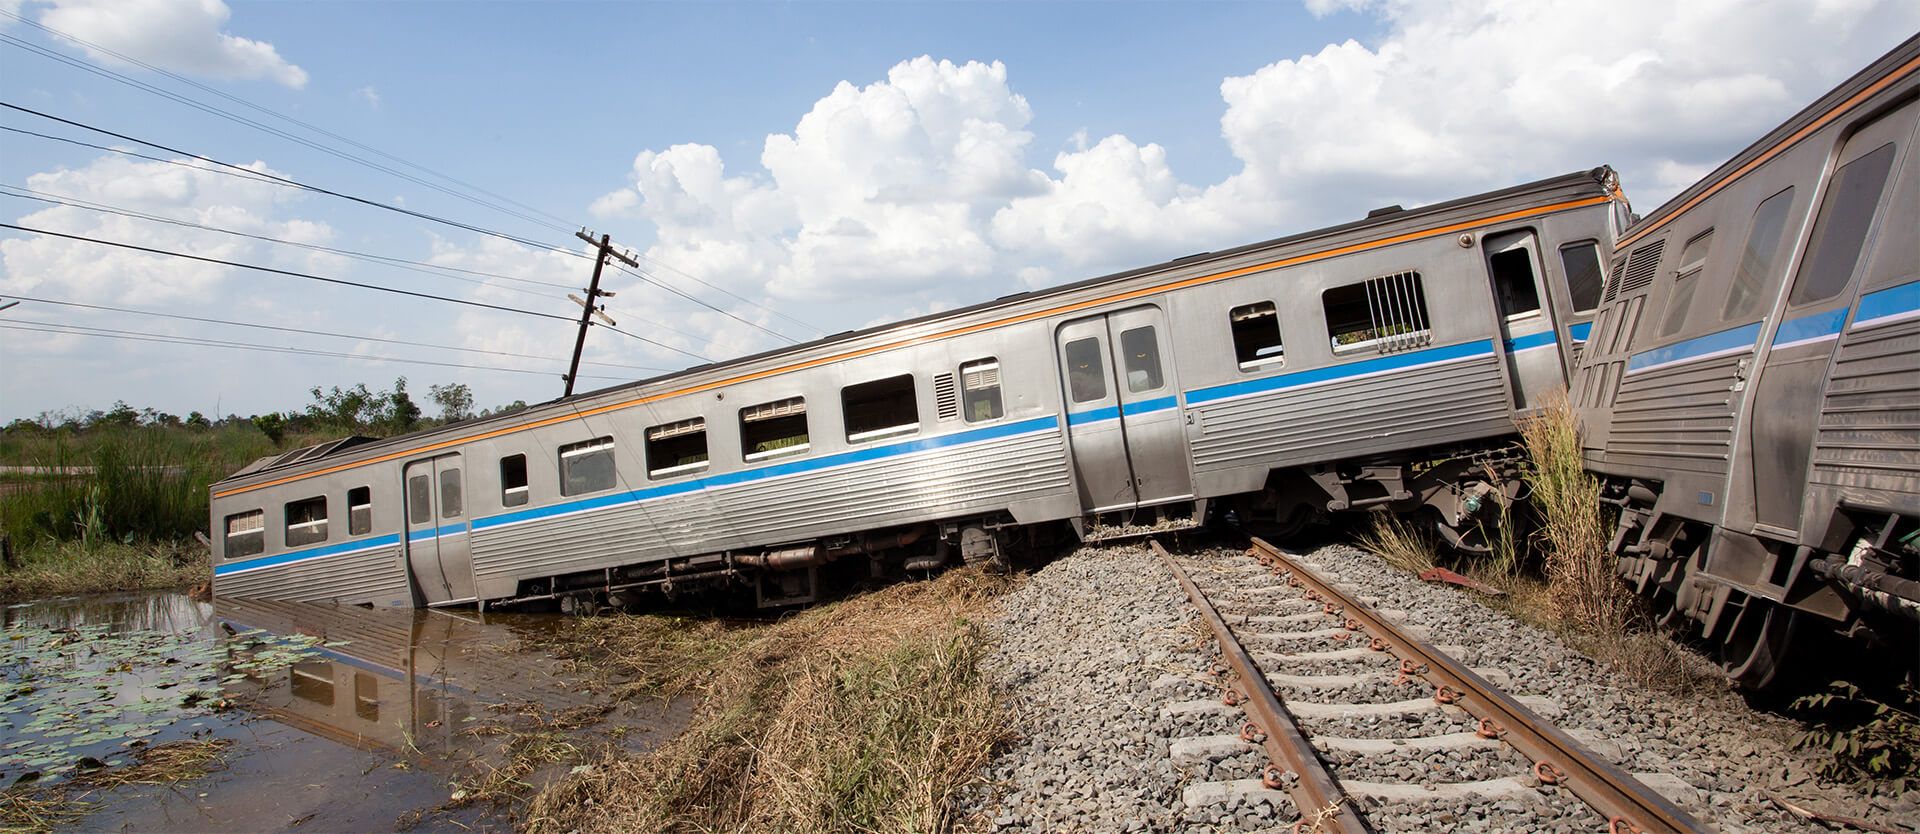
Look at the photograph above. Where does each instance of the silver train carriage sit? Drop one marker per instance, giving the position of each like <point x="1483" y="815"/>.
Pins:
<point x="1752" y="392"/>
<point x="1379" y="363"/>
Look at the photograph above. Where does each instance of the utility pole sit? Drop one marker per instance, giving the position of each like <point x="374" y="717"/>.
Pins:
<point x="590" y="307"/>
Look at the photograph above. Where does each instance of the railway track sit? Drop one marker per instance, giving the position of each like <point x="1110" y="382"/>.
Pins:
<point x="1361" y="724"/>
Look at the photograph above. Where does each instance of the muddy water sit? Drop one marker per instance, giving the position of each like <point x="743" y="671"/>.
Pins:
<point x="338" y="718"/>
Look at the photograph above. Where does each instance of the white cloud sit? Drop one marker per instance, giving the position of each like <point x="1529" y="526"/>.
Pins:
<point x="184" y="36"/>
<point x="368" y="96"/>
<point x="43" y="265"/>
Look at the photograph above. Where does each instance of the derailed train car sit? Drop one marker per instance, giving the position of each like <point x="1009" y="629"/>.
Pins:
<point x="1380" y="363"/>
<point x="1752" y="392"/>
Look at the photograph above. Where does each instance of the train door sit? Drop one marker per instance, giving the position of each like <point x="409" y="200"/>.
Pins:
<point x="1527" y="327"/>
<point x="1787" y="398"/>
<point x="1123" y="415"/>
<point x="439" y="560"/>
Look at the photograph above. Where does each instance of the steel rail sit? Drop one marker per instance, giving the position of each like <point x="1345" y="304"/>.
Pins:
<point x="1316" y="792"/>
<point x="1558" y="758"/>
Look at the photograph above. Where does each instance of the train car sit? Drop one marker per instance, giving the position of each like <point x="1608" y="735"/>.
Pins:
<point x="1379" y="363"/>
<point x="1752" y="393"/>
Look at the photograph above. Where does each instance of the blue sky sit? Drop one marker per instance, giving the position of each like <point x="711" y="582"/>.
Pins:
<point x="841" y="163"/>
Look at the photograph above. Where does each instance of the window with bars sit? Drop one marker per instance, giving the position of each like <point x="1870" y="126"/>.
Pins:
<point x="1383" y="314"/>
<point x="677" y="448"/>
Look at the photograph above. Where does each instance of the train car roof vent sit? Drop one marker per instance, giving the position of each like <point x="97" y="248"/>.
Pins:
<point x="1384" y="211"/>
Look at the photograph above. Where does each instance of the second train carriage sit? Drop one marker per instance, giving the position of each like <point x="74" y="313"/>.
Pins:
<point x="1752" y="394"/>
<point x="1379" y="363"/>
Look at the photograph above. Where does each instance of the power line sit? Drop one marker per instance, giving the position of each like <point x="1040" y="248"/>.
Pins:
<point x="696" y="279"/>
<point x="162" y="338"/>
<point x="649" y="279"/>
<point x="297" y="184"/>
<point x="289" y="273"/>
<point x="331" y="334"/>
<point x="128" y="80"/>
<point x="243" y="173"/>
<point x="652" y="342"/>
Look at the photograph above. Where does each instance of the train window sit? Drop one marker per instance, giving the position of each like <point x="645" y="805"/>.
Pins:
<point x="882" y="408"/>
<point x="677" y="448"/>
<point x="306" y="521"/>
<point x="359" y="511"/>
<point x="1513" y="279"/>
<point x="419" y="500"/>
<point x="1585" y="278"/>
<point x="366" y="697"/>
<point x="450" y="493"/>
<point x="1844" y="217"/>
<point x="1086" y="374"/>
<point x="1756" y="260"/>
<point x="513" y="480"/>
<point x="1141" y="349"/>
<point x="774" y="429"/>
<point x="587" y="466"/>
<point x="1256" y="335"/>
<point x="1385" y="314"/>
<point x="980" y="387"/>
<point x="312" y="681"/>
<point x="246" y="534"/>
<point x="1692" y="260"/>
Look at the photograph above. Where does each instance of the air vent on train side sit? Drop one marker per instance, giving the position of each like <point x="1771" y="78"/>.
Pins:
<point x="1636" y="271"/>
<point x="946" y="400"/>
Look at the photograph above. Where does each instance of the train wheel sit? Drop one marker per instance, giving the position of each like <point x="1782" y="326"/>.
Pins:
<point x="1755" y="649"/>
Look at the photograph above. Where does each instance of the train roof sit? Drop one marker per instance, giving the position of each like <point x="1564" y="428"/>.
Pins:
<point x="1893" y="67"/>
<point x="1598" y="181"/>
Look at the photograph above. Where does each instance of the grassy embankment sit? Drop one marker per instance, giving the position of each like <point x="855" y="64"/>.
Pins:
<point x="860" y="715"/>
<point x="112" y="508"/>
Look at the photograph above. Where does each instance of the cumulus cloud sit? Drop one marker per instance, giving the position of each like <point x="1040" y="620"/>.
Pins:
<point x="184" y="36"/>
<point x="45" y="265"/>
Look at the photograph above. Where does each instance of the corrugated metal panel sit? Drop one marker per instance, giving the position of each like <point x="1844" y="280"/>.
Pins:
<point x="366" y="575"/>
<point x="1679" y="417"/>
<point x="1869" y="431"/>
<point x="1332" y="421"/>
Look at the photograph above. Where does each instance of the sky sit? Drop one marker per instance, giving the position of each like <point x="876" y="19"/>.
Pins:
<point x="371" y="191"/>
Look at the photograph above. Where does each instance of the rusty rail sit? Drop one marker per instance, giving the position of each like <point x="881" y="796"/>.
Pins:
<point x="1558" y="758"/>
<point x="1315" y="792"/>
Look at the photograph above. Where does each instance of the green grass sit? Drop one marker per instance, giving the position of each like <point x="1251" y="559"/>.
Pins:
<point x="54" y="568"/>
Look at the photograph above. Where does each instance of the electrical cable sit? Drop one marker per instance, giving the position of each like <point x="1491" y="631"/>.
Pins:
<point x="290" y="273"/>
<point x="331" y="334"/>
<point x="649" y="279"/>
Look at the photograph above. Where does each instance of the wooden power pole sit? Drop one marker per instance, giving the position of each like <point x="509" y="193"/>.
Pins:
<point x="590" y="307"/>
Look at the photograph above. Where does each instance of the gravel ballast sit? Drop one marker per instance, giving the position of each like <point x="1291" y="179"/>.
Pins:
<point x="1096" y="646"/>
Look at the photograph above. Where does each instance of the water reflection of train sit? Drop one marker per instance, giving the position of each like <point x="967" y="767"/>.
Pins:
<point x="383" y="679"/>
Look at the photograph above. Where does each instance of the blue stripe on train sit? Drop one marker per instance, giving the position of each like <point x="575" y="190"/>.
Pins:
<point x="1888" y="303"/>
<point x="1336" y="373"/>
<point x="1580" y="331"/>
<point x="1810" y="328"/>
<point x="1738" y="338"/>
<point x="311" y="553"/>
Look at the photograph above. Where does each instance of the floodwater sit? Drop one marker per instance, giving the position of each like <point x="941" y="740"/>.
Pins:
<point x="339" y="718"/>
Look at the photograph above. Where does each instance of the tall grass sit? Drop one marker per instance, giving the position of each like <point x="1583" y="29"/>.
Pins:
<point x="864" y="715"/>
<point x="1583" y="592"/>
<point x="132" y="484"/>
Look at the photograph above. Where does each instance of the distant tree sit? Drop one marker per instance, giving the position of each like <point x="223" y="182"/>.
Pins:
<point x="24" y="426"/>
<point x="401" y="413"/>
<point x="350" y="410"/>
<point x="196" y="420"/>
<point x="122" y="415"/>
<point x="455" y="401"/>
<point x="516" y="405"/>
<point x="272" y="425"/>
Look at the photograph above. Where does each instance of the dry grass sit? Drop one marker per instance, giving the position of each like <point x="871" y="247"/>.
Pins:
<point x="864" y="715"/>
<point x="1583" y="593"/>
<point x="63" y="568"/>
<point x="39" y="809"/>
<point x="1400" y="544"/>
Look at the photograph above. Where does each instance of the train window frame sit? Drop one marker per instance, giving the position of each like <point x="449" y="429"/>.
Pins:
<point x="514" y="488"/>
<point x="1746" y="294"/>
<point x="880" y="409"/>
<point x="1516" y="285"/>
<point x="1086" y="381"/>
<point x="1598" y="284"/>
<point x="419" y="499"/>
<point x="306" y="521"/>
<point x="360" y="511"/>
<point x="240" y="526"/>
<point x="1253" y="348"/>
<point x="980" y="386"/>
<point x="1395" y="303"/>
<point x="1839" y="236"/>
<point x="588" y="466"/>
<point x="1686" y="282"/>
<point x="772" y="423"/>
<point x="673" y="441"/>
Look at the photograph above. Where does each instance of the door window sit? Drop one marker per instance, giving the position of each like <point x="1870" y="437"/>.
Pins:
<point x="1141" y="351"/>
<point x="1086" y="373"/>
